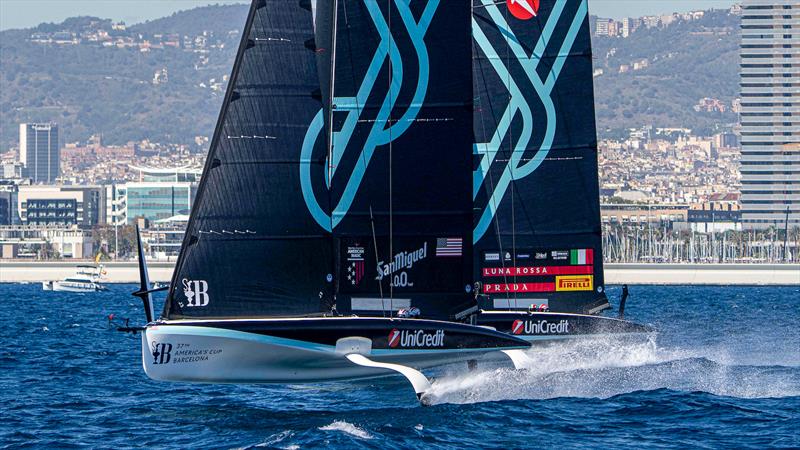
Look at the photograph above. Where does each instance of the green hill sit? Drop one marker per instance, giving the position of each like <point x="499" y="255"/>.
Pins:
<point x="687" y="61"/>
<point x="94" y="88"/>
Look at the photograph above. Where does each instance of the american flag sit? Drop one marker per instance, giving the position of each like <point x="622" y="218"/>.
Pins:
<point x="449" y="246"/>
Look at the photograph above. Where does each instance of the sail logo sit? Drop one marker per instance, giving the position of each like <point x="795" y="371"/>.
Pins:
<point x="523" y="161"/>
<point x="400" y="263"/>
<point x="386" y="126"/>
<point x="574" y="283"/>
<point x="523" y="9"/>
<point x="196" y="292"/>
<point x="161" y="352"/>
<point x="416" y="338"/>
<point x="540" y="327"/>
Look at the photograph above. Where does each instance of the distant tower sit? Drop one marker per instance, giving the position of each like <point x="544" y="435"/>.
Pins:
<point x="770" y="123"/>
<point x="39" y="152"/>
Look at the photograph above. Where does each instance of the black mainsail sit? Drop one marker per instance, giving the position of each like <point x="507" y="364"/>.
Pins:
<point x="397" y="92"/>
<point x="537" y="223"/>
<point x="251" y="246"/>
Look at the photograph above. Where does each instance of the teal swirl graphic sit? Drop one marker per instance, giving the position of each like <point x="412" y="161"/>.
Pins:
<point x="379" y="134"/>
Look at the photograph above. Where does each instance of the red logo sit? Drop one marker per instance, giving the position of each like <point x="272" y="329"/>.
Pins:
<point x="517" y="327"/>
<point x="523" y="9"/>
<point x="394" y="338"/>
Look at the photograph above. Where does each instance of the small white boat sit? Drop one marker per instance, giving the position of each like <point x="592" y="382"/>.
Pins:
<point x="86" y="279"/>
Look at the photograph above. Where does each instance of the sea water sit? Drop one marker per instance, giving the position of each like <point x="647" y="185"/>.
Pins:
<point x="724" y="371"/>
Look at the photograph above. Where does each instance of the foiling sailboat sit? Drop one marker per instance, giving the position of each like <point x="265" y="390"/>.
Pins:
<point x="331" y="235"/>
<point x="334" y="234"/>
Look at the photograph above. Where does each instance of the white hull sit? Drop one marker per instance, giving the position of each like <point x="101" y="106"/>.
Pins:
<point x="71" y="287"/>
<point x="213" y="355"/>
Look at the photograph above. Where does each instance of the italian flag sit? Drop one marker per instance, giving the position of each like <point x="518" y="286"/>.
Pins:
<point x="581" y="257"/>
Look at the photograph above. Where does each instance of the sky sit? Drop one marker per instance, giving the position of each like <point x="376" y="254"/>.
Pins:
<point x="28" y="13"/>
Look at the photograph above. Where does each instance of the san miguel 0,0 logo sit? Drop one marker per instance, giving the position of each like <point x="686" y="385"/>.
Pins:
<point x="415" y="338"/>
<point x="540" y="327"/>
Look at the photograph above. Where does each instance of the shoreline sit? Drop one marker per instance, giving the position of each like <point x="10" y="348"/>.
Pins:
<point x="615" y="274"/>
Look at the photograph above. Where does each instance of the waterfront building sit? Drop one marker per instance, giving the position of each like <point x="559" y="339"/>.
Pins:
<point x="39" y="151"/>
<point x="632" y="214"/>
<point x="770" y="113"/>
<point x="38" y="242"/>
<point x="61" y="206"/>
<point x="179" y="174"/>
<point x="157" y="200"/>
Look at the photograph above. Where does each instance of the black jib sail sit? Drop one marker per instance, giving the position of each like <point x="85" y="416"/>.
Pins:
<point x="537" y="224"/>
<point x="251" y="246"/>
<point x="397" y="88"/>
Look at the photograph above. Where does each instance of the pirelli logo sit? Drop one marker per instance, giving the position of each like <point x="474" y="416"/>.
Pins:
<point x="574" y="283"/>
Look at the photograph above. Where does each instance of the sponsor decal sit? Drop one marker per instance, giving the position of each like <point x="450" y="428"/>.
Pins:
<point x="196" y="292"/>
<point x="398" y="266"/>
<point x="416" y="338"/>
<point x="507" y="256"/>
<point x="355" y="265"/>
<point x="491" y="257"/>
<point x="493" y="288"/>
<point x="161" y="352"/>
<point x="540" y="327"/>
<point x="536" y="271"/>
<point x="184" y="353"/>
<point x="541" y="255"/>
<point x="449" y="246"/>
<point x="523" y="256"/>
<point x="560" y="254"/>
<point x="523" y="9"/>
<point x="581" y="257"/>
<point x="575" y="283"/>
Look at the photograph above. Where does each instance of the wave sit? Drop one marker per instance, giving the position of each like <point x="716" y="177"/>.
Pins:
<point x="607" y="368"/>
<point x="348" y="428"/>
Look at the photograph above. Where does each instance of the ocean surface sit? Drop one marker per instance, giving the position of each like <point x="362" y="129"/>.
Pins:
<point x="723" y="372"/>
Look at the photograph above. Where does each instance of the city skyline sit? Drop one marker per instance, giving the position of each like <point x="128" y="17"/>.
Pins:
<point x="18" y="13"/>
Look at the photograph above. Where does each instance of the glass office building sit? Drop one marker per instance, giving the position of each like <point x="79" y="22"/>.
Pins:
<point x="770" y="113"/>
<point x="158" y="200"/>
<point x="39" y="152"/>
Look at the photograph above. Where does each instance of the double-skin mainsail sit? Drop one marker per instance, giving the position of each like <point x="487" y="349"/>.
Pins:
<point x="537" y="223"/>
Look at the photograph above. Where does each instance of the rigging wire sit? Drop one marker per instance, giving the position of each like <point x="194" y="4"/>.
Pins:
<point x="495" y="219"/>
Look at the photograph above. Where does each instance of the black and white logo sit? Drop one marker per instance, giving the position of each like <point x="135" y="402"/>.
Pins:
<point x="196" y="292"/>
<point x="161" y="352"/>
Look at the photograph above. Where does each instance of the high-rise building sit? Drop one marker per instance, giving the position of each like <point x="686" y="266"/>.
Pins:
<point x="39" y="151"/>
<point x="770" y="113"/>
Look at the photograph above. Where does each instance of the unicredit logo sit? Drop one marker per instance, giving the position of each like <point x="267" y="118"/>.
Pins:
<point x="540" y="327"/>
<point x="523" y="9"/>
<point x="416" y="338"/>
<point x="394" y="338"/>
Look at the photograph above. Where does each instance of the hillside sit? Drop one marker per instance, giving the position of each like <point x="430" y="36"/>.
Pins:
<point x="94" y="88"/>
<point x="92" y="76"/>
<point x="686" y="62"/>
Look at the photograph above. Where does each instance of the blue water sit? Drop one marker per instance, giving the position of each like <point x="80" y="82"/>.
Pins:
<point x="724" y="372"/>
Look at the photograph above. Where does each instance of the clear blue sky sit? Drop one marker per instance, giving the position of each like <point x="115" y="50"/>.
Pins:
<point x="27" y="13"/>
